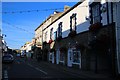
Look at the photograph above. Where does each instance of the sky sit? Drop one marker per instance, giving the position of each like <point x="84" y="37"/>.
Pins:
<point x="19" y="26"/>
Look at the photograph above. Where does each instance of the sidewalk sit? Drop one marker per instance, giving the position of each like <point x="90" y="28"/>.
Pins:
<point x="83" y="74"/>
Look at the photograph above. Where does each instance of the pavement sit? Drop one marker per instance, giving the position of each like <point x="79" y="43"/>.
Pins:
<point x="88" y="75"/>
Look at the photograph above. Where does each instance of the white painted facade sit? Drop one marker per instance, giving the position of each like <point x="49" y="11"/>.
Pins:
<point x="82" y="12"/>
<point x="82" y="23"/>
<point x="38" y="35"/>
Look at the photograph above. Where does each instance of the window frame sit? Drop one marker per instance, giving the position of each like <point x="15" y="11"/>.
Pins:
<point x="92" y="6"/>
<point x="59" y="31"/>
<point x="73" y="17"/>
<point x="51" y="33"/>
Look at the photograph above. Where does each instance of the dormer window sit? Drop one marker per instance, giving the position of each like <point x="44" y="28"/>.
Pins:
<point x="73" y="22"/>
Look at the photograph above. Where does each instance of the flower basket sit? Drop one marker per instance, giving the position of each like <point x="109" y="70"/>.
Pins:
<point x="72" y="33"/>
<point x="63" y="49"/>
<point x="95" y="26"/>
<point x="50" y="41"/>
<point x="59" y="38"/>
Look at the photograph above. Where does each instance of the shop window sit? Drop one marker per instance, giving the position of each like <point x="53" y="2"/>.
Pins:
<point x="62" y="57"/>
<point x="76" y="56"/>
<point x="50" y="57"/>
<point x="73" y="22"/>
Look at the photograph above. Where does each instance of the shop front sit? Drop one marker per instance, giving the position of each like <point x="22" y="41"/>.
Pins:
<point x="74" y="57"/>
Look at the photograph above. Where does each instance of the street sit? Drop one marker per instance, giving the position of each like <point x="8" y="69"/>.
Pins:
<point x="21" y="69"/>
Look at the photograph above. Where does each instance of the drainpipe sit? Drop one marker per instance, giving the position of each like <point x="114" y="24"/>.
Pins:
<point x="108" y="21"/>
<point x="111" y="11"/>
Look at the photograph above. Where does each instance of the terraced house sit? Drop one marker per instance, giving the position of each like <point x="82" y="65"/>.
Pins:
<point x="85" y="36"/>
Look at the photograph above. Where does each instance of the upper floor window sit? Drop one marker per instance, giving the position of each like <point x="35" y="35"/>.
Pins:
<point x="73" y="22"/>
<point x="55" y="35"/>
<point x="60" y="29"/>
<point x="95" y="12"/>
<point x="51" y="33"/>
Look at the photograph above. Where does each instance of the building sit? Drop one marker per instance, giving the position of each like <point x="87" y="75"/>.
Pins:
<point x="85" y="36"/>
<point x="39" y="33"/>
<point x="61" y="34"/>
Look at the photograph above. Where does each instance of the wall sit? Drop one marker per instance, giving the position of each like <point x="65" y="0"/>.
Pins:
<point x="81" y="20"/>
<point x="117" y="20"/>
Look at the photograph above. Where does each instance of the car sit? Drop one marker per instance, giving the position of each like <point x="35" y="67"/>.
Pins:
<point x="7" y="58"/>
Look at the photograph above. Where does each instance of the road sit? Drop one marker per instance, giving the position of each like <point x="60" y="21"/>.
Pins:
<point x="21" y="69"/>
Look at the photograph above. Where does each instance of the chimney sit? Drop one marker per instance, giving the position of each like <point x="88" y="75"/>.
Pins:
<point x="66" y="7"/>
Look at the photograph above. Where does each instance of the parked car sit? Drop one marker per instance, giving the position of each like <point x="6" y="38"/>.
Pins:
<point x="7" y="58"/>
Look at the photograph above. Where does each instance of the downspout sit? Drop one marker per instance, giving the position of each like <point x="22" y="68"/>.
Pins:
<point x="108" y="21"/>
<point x="112" y="12"/>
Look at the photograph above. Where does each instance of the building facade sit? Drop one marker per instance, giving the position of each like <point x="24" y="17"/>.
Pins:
<point x="85" y="36"/>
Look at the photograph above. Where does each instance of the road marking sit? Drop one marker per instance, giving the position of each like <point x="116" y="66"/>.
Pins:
<point x="5" y="74"/>
<point x="38" y="69"/>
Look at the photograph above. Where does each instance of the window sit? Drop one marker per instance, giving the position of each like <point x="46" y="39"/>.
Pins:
<point x="76" y="56"/>
<point x="73" y="22"/>
<point x="95" y="12"/>
<point x="50" y="57"/>
<point x="46" y="36"/>
<point x="55" y="35"/>
<point x="51" y="33"/>
<point x="60" y="29"/>
<point x="62" y="57"/>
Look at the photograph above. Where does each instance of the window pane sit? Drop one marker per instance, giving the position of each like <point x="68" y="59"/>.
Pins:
<point x="96" y="13"/>
<point x="76" y="57"/>
<point x="73" y="23"/>
<point x="60" y="29"/>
